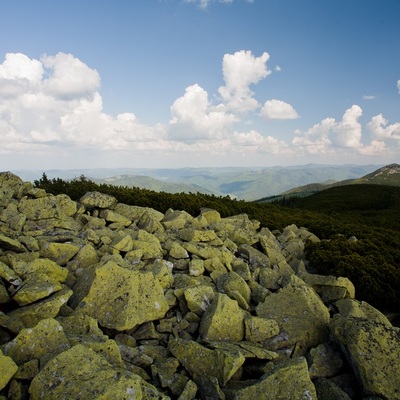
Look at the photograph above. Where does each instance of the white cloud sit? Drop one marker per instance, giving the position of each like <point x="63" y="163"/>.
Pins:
<point x="69" y="77"/>
<point x="330" y="136"/>
<point x="380" y="129"/>
<point x="194" y="118"/>
<point x="369" y="97"/>
<point x="51" y="108"/>
<point x="18" y="66"/>
<point x="278" y="109"/>
<point x="277" y="68"/>
<point x="240" y="70"/>
<point x="398" y="85"/>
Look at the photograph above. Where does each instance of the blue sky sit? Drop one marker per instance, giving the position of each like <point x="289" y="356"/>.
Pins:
<point x="175" y="83"/>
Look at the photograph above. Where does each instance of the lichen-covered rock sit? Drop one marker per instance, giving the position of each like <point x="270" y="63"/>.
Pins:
<point x="218" y="363"/>
<point x="259" y="329"/>
<point x="43" y="266"/>
<point x="36" y="287"/>
<point x="196" y="235"/>
<point x="80" y="373"/>
<point x="11" y="244"/>
<point x="113" y="216"/>
<point x="286" y="380"/>
<point x="223" y="320"/>
<point x="176" y="219"/>
<point x="327" y="390"/>
<point x="194" y="305"/>
<point x="254" y="257"/>
<point x="121" y="299"/>
<point x="324" y="361"/>
<point x="361" y="309"/>
<point x="199" y="298"/>
<point x="60" y="253"/>
<point x="319" y="282"/>
<point x="230" y="282"/>
<point x="373" y="350"/>
<point x="9" y="187"/>
<point x="46" y="207"/>
<point x="98" y="200"/>
<point x="7" y="369"/>
<point x="31" y="314"/>
<point x="301" y="316"/>
<point x="47" y="337"/>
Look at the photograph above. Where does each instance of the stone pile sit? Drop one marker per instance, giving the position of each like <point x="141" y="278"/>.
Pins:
<point x="103" y="300"/>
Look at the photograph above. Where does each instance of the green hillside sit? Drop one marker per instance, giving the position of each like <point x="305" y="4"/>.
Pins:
<point x="388" y="175"/>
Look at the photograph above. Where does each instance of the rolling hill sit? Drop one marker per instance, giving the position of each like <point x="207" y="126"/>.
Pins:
<point x="236" y="182"/>
<point x="388" y="175"/>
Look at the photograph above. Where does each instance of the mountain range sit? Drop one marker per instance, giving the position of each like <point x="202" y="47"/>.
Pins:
<point x="389" y="175"/>
<point x="237" y="182"/>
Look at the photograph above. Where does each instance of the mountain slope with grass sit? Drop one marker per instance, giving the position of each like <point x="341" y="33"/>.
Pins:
<point x="388" y="175"/>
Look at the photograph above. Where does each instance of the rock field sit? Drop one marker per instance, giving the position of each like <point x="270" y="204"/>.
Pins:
<point x="103" y="300"/>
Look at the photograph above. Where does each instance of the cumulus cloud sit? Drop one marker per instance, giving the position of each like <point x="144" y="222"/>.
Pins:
<point x="330" y="135"/>
<point x="194" y="118"/>
<point x="18" y="66"/>
<point x="240" y="70"/>
<point x="380" y="129"/>
<point x="398" y="85"/>
<point x="278" y="109"/>
<point x="54" y="101"/>
<point x="69" y="77"/>
<point x="52" y="107"/>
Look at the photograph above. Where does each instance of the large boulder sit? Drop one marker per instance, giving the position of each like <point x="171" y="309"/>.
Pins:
<point x="373" y="351"/>
<point x="301" y="315"/>
<point x="121" y="299"/>
<point x="80" y="373"/>
<point x="288" y="379"/>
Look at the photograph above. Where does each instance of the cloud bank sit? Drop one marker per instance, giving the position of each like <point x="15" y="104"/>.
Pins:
<point x="52" y="107"/>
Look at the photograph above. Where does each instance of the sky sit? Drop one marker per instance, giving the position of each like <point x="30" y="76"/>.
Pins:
<point x="198" y="83"/>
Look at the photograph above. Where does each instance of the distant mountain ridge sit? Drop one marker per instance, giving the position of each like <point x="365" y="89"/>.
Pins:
<point x="388" y="175"/>
<point x="237" y="182"/>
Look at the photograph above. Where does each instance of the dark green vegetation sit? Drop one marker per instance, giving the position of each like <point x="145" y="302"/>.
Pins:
<point x="371" y="213"/>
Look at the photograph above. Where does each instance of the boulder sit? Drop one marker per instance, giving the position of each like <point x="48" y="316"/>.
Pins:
<point x="98" y="200"/>
<point x="302" y="317"/>
<point x="220" y="364"/>
<point x="7" y="369"/>
<point x="373" y="351"/>
<point x="122" y="299"/>
<point x="223" y="320"/>
<point x="288" y="379"/>
<point x="47" y="337"/>
<point x="80" y="373"/>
